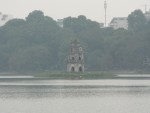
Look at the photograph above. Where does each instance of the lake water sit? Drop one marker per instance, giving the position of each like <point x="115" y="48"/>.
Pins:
<point x="29" y="95"/>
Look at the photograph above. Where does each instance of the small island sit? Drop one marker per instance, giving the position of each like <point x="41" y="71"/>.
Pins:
<point x="75" y="76"/>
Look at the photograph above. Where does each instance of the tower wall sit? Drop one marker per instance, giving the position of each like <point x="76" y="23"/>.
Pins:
<point x="75" y="67"/>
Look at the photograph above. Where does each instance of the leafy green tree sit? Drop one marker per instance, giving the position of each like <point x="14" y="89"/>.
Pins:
<point x="31" y="59"/>
<point x="79" y="24"/>
<point x="136" y="21"/>
<point x="35" y="17"/>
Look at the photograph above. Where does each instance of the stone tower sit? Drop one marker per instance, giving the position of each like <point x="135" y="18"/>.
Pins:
<point x="75" y="58"/>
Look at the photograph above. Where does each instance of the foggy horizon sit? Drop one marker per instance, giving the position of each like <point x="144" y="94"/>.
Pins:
<point x="92" y="9"/>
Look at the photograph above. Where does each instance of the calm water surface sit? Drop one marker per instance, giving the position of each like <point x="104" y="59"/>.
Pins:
<point x="78" y="96"/>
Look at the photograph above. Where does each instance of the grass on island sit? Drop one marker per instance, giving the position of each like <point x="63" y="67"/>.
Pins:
<point x="85" y="75"/>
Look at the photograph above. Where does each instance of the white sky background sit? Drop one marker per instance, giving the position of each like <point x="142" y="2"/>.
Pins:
<point x="58" y="9"/>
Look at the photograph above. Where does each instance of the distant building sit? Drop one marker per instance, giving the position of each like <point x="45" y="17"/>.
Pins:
<point x="60" y="23"/>
<point x="147" y="15"/>
<point x="75" y="58"/>
<point x="4" y="18"/>
<point x="119" y="22"/>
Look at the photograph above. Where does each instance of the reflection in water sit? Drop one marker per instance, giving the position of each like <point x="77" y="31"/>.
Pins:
<point x="101" y="96"/>
<point x="70" y="91"/>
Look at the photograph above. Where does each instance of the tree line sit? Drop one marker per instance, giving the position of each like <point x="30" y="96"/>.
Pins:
<point x="37" y="43"/>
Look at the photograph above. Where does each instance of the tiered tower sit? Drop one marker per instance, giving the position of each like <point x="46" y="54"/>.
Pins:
<point x="75" y="58"/>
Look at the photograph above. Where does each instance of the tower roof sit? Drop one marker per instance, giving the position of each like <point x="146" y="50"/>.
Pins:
<point x="75" y="42"/>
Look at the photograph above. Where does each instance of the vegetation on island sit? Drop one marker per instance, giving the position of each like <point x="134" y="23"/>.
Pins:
<point x="37" y="43"/>
<point x="74" y="76"/>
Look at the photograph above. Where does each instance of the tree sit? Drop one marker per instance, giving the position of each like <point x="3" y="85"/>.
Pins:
<point x="136" y="21"/>
<point x="31" y="59"/>
<point x="79" y="24"/>
<point x="35" y="16"/>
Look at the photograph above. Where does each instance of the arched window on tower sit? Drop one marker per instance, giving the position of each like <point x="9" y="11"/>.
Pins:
<point x="73" y="58"/>
<point x="79" y="58"/>
<point x="72" y="69"/>
<point x="80" y="48"/>
<point x="80" y="69"/>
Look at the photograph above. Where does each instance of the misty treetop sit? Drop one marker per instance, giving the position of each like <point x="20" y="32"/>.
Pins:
<point x="38" y="43"/>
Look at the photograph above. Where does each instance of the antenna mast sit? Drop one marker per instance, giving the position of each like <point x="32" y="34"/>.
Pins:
<point x="145" y="8"/>
<point x="105" y="7"/>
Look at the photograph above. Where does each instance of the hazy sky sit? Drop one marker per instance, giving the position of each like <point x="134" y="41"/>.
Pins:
<point x="57" y="9"/>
